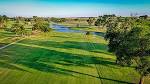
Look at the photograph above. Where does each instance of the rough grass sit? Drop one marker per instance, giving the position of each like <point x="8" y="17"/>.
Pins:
<point x="62" y="58"/>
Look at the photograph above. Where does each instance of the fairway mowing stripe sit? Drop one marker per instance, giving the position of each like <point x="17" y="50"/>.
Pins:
<point x="4" y="75"/>
<point x="11" y="44"/>
<point x="15" y="61"/>
<point x="38" y="77"/>
<point x="4" y="39"/>
<point x="99" y="74"/>
<point x="98" y="71"/>
<point x="98" y="68"/>
<point x="22" y="78"/>
<point x="83" y="46"/>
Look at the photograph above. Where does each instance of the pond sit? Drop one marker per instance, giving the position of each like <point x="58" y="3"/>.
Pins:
<point x="61" y="28"/>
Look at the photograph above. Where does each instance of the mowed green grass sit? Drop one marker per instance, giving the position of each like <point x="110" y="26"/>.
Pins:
<point x="4" y="34"/>
<point x="6" y="37"/>
<point x="62" y="58"/>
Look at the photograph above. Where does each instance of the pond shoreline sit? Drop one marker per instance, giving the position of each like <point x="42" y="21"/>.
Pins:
<point x="62" y="28"/>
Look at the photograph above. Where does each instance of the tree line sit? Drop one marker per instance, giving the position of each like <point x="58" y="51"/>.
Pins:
<point x="18" y="25"/>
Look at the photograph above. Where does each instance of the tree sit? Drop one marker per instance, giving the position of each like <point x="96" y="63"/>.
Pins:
<point x="116" y="31"/>
<point x="139" y="47"/>
<point x="77" y="19"/>
<point x="27" y="21"/>
<point x="18" y="29"/>
<point x="90" y="21"/>
<point x="5" y="18"/>
<point x="63" y="19"/>
<point x="35" y="18"/>
<point x="104" y="20"/>
<point x="143" y="69"/>
<point x="98" y="22"/>
<point x="130" y="42"/>
<point x="3" y="21"/>
<point x="58" y="20"/>
<point x="45" y="27"/>
<point x="42" y="26"/>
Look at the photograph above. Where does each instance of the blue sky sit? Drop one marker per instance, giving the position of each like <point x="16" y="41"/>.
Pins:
<point x="73" y="8"/>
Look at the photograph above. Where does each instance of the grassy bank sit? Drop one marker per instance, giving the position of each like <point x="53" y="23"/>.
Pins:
<point x="62" y="58"/>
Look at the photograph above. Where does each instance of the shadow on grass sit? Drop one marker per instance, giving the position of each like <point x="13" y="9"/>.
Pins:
<point x="71" y="44"/>
<point x="11" y="66"/>
<point x="57" y="57"/>
<point x="44" y="67"/>
<point x="44" y="60"/>
<point x="102" y="34"/>
<point x="60" y="56"/>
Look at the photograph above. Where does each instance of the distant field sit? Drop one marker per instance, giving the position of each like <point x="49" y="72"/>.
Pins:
<point x="73" y="23"/>
<point x="92" y="29"/>
<point x="83" y="25"/>
<point x="62" y="58"/>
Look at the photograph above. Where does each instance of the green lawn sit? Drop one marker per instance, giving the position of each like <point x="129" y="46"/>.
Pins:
<point x="7" y="37"/>
<point x="62" y="58"/>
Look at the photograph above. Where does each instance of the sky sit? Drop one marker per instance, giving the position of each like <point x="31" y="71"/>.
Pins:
<point x="73" y="8"/>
